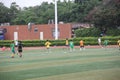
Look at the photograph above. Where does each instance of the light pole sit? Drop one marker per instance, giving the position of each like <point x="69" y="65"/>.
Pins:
<point x="56" y="22"/>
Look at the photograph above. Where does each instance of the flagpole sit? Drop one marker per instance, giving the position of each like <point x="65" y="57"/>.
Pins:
<point x="56" y="22"/>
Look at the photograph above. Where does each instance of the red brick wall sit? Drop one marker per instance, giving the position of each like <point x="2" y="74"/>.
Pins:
<point x="25" y="34"/>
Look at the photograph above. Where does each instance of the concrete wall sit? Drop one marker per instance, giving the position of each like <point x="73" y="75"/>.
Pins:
<point x="25" y="34"/>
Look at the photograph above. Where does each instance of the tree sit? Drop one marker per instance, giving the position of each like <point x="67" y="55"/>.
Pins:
<point x="87" y="32"/>
<point x="79" y="1"/>
<point x="13" y="11"/>
<point x="25" y="18"/>
<point x="82" y="9"/>
<point x="4" y="11"/>
<point x="108" y="16"/>
<point x="65" y="11"/>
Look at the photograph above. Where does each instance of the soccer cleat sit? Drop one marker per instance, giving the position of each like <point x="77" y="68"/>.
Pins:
<point x="12" y="56"/>
<point x="20" y="55"/>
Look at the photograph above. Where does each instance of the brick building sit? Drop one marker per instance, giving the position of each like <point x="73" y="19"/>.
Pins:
<point x="37" y="32"/>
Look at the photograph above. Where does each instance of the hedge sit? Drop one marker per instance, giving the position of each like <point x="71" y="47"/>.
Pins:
<point x="87" y="40"/>
<point x="94" y="32"/>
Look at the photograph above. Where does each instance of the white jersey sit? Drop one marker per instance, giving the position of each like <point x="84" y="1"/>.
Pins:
<point x="99" y="40"/>
<point x="16" y="42"/>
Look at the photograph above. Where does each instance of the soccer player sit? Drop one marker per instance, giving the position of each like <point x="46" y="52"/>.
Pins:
<point x="20" y="48"/>
<point x="81" y="44"/>
<point x="99" y="42"/>
<point x="118" y="43"/>
<point x="71" y="44"/>
<point x="16" y="45"/>
<point x="47" y="44"/>
<point x="12" y="47"/>
<point x="105" y="43"/>
<point x="67" y="42"/>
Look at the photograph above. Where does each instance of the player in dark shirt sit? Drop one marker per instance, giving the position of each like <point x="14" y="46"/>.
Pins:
<point x="20" y="48"/>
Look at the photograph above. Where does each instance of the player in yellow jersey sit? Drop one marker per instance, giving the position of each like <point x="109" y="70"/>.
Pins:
<point x="67" y="43"/>
<point x="47" y="44"/>
<point x="118" y="43"/>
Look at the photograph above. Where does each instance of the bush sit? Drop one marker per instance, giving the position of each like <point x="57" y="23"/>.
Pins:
<point x="113" y="32"/>
<point x="94" y="32"/>
<point x="87" y="40"/>
<point x="5" y="43"/>
<point x="87" y="32"/>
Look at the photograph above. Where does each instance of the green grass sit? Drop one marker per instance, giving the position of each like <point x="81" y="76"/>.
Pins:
<point x="61" y="64"/>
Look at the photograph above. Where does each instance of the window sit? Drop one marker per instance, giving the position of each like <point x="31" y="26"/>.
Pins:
<point x="53" y="32"/>
<point x="35" y="29"/>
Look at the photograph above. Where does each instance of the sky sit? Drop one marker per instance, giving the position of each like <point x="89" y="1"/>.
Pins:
<point x="24" y="3"/>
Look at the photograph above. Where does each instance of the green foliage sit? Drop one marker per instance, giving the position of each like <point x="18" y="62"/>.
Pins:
<point x="101" y="13"/>
<point x="95" y="32"/>
<point x="87" y="32"/>
<point x="107" y="15"/>
<point x="113" y="32"/>
<point x="88" y="41"/>
<point x="68" y="11"/>
<point x="5" y="43"/>
<point x="3" y="13"/>
<point x="83" y="8"/>
<point x="25" y="18"/>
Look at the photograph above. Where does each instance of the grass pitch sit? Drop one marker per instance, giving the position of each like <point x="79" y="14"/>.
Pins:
<point x="61" y="64"/>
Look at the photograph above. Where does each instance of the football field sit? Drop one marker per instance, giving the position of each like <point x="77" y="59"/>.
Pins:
<point x="61" y="64"/>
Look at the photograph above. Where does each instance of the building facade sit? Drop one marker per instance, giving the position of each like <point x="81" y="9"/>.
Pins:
<point x="36" y="32"/>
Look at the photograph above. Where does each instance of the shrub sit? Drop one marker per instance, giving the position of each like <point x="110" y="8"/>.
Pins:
<point x="113" y="32"/>
<point x="87" y="40"/>
<point x="94" y="32"/>
<point x="87" y="32"/>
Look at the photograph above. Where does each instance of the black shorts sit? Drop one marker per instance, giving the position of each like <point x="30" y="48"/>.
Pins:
<point x="16" y="45"/>
<point x="81" y="46"/>
<point x="19" y="50"/>
<point x="48" y="47"/>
